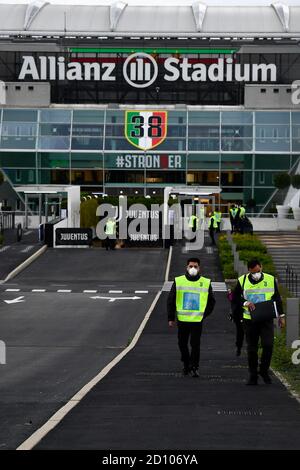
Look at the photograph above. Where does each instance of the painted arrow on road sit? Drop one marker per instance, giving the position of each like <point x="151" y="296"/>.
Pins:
<point x="112" y="299"/>
<point x="15" y="301"/>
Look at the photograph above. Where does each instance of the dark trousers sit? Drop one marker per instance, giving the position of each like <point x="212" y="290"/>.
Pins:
<point x="212" y="235"/>
<point x="239" y="339"/>
<point x="110" y="243"/>
<point x="253" y="332"/>
<point x="192" y="331"/>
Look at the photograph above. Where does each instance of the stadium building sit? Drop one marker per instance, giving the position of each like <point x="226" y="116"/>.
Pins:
<point x="134" y="97"/>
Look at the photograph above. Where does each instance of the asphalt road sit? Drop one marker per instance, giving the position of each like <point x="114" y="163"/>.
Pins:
<point x="145" y="403"/>
<point x="57" y="341"/>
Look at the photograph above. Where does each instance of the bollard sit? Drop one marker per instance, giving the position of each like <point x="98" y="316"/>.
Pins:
<point x="292" y="320"/>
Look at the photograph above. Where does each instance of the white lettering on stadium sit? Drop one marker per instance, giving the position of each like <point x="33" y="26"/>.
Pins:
<point x="74" y="236"/>
<point x="223" y="70"/>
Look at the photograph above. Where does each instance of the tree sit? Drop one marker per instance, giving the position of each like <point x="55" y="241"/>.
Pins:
<point x="282" y="180"/>
<point x="295" y="180"/>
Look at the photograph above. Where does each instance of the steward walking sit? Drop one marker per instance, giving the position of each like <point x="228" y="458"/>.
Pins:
<point x="190" y="300"/>
<point x="252" y="289"/>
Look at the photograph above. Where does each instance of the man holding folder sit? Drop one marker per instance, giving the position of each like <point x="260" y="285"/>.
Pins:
<point x="257" y="295"/>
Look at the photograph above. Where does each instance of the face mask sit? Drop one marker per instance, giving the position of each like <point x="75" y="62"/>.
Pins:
<point x="256" y="276"/>
<point x="192" y="271"/>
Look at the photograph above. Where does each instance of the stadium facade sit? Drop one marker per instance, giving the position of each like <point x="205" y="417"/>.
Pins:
<point x="132" y="98"/>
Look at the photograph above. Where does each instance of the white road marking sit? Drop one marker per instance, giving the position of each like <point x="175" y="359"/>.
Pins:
<point x="38" y="290"/>
<point x="141" y="292"/>
<point x="5" y="248"/>
<point x="90" y="292"/>
<point x="12" y="290"/>
<point x="115" y="292"/>
<point x="64" y="291"/>
<point x="28" y="248"/>
<point x="15" y="301"/>
<point x="38" y="435"/>
<point x="112" y="299"/>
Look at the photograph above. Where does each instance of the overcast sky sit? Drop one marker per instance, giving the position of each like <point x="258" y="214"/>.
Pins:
<point x="160" y="2"/>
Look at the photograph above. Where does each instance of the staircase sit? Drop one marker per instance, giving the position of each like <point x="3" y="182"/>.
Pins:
<point x="284" y="247"/>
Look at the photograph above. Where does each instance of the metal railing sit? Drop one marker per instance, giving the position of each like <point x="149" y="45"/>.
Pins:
<point x="291" y="279"/>
<point x="7" y="220"/>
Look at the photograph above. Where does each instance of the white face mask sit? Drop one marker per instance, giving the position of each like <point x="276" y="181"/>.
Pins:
<point x="192" y="271"/>
<point x="256" y="276"/>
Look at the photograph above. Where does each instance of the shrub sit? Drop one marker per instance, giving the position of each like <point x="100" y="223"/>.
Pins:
<point x="295" y="180"/>
<point x="282" y="180"/>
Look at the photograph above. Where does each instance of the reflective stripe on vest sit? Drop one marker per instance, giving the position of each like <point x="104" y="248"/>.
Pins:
<point x="256" y="293"/>
<point x="242" y="212"/>
<point x="191" y="298"/>
<point x="233" y="212"/>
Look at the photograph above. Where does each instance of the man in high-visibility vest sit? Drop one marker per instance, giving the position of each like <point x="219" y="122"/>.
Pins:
<point x="252" y="288"/>
<point x="111" y="232"/>
<point x="218" y="218"/>
<point x="233" y="217"/>
<point x="190" y="300"/>
<point x="213" y="227"/>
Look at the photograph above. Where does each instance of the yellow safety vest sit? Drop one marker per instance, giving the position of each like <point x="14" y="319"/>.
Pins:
<point x="233" y="212"/>
<point x="110" y="228"/>
<point x="218" y="216"/>
<point x="191" y="298"/>
<point x="256" y="293"/>
<point x="242" y="212"/>
<point x="215" y="222"/>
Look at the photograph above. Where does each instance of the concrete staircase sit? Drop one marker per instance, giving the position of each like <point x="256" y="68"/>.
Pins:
<point x="284" y="247"/>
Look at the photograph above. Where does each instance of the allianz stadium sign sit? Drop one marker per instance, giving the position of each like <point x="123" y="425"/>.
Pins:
<point x="140" y="70"/>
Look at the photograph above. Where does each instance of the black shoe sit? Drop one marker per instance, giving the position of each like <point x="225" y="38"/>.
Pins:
<point x="238" y="351"/>
<point x="252" y="380"/>
<point x="195" y="372"/>
<point x="186" y="371"/>
<point x="266" y="378"/>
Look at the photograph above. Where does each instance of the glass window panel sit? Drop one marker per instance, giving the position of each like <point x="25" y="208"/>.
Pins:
<point x="237" y="117"/>
<point x="295" y="145"/>
<point x="23" y="176"/>
<point x="53" y="160"/>
<point x="115" y="130"/>
<point x="296" y="132"/>
<point x="119" y="144"/>
<point x="54" y="129"/>
<point x="232" y="178"/>
<point x="19" y="128"/>
<point x="203" y="177"/>
<point x="89" y="116"/>
<point x="270" y="162"/>
<point x="202" y="117"/>
<point x="295" y="118"/>
<point x="210" y="145"/>
<point x="87" y="177"/>
<point x="274" y="132"/>
<point x="54" y="143"/>
<point x="269" y="117"/>
<point x="54" y="176"/>
<point x="237" y="145"/>
<point x="124" y="176"/>
<point x="87" y="129"/>
<point x="200" y="161"/>
<point x="163" y="177"/>
<point x="274" y="145"/>
<point x="204" y="131"/>
<point x="17" y="115"/>
<point x="88" y="143"/>
<point x="55" y="115"/>
<point x="115" y="117"/>
<point x="176" y="131"/>
<point x="17" y="160"/>
<point x="18" y="142"/>
<point x="175" y="117"/>
<point x="235" y="162"/>
<point x="237" y="131"/>
<point x="86" y="160"/>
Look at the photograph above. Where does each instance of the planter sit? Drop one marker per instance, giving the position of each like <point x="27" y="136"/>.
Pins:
<point x="282" y="211"/>
<point x="296" y="212"/>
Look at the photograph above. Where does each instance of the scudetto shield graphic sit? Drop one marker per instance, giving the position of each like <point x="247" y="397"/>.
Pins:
<point x="146" y="129"/>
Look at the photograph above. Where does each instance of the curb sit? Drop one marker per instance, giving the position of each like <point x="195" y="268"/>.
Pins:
<point x="24" y="265"/>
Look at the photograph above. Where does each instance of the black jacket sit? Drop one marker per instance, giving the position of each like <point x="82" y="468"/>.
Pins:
<point x="171" y="303"/>
<point x="238" y="299"/>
